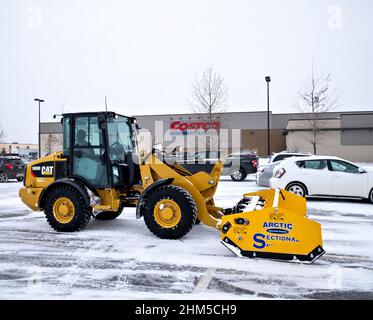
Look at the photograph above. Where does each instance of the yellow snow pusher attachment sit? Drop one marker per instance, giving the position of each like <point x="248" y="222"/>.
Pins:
<point x="272" y="224"/>
<point x="103" y="169"/>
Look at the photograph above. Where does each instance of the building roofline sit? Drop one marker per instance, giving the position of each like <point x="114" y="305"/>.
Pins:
<point x="361" y="112"/>
<point x="308" y="119"/>
<point x="196" y="113"/>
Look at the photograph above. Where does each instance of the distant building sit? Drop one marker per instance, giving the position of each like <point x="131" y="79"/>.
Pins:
<point x="349" y="136"/>
<point x="28" y="150"/>
<point x="51" y="137"/>
<point x="345" y="134"/>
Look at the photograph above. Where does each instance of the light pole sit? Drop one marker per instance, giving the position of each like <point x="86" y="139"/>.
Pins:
<point x="39" y="101"/>
<point x="268" y="80"/>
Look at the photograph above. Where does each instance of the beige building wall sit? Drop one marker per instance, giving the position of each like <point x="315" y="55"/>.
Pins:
<point x="329" y="142"/>
<point x="51" y="143"/>
<point x="258" y="140"/>
<point x="16" y="147"/>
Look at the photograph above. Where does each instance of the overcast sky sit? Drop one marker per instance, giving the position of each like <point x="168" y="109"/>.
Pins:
<point x="144" y="55"/>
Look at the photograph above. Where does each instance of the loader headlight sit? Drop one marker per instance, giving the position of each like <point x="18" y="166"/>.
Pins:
<point x="279" y="173"/>
<point x="242" y="221"/>
<point x="226" y="227"/>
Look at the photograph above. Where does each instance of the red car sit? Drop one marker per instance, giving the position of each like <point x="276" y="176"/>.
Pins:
<point x="11" y="167"/>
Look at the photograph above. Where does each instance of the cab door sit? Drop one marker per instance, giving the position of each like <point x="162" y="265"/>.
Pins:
<point x="89" y="160"/>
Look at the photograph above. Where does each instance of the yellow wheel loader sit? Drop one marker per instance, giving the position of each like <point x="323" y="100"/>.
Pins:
<point x="103" y="169"/>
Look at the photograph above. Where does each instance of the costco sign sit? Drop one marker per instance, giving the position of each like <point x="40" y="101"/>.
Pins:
<point x="199" y="125"/>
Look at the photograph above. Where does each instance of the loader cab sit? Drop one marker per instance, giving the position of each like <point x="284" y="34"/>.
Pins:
<point x="100" y="149"/>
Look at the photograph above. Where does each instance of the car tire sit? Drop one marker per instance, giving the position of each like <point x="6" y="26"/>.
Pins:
<point x="19" y="179"/>
<point x="371" y="196"/>
<point x="180" y="221"/>
<point x="297" y="188"/>
<point x="3" y="177"/>
<point x="80" y="213"/>
<point x="239" y="175"/>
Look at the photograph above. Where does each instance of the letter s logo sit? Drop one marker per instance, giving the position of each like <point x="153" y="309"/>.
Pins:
<point x="259" y="239"/>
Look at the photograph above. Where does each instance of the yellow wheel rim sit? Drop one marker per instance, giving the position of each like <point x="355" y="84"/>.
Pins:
<point x="64" y="210"/>
<point x="167" y="213"/>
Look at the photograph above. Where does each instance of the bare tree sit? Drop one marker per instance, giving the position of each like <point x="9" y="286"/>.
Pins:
<point x="209" y="97"/>
<point x="314" y="98"/>
<point x="53" y="143"/>
<point x="2" y="134"/>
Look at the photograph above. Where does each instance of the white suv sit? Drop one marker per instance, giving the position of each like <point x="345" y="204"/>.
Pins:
<point x="323" y="176"/>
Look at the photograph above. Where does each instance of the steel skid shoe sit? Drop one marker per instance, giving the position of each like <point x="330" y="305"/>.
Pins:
<point x="272" y="224"/>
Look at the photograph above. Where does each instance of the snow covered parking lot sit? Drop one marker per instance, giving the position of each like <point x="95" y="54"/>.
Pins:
<point x="122" y="260"/>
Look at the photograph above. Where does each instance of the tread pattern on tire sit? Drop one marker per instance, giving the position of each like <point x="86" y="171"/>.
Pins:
<point x="188" y="219"/>
<point x="82" y="211"/>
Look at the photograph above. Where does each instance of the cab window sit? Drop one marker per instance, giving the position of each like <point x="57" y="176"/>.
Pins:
<point x="120" y="138"/>
<point x="89" y="153"/>
<point x="66" y="135"/>
<point x="87" y="132"/>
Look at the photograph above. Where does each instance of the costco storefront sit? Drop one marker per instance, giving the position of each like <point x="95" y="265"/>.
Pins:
<point x="236" y="130"/>
<point x="348" y="134"/>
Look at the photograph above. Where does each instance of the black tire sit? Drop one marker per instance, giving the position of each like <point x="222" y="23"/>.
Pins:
<point x="198" y="221"/>
<point x="187" y="207"/>
<point x="82" y="215"/>
<point x="19" y="179"/>
<point x="108" y="215"/>
<point x="3" y="177"/>
<point x="239" y="175"/>
<point x="297" y="188"/>
<point x="371" y="196"/>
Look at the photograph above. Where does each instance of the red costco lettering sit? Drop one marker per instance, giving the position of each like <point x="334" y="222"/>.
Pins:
<point x="183" y="126"/>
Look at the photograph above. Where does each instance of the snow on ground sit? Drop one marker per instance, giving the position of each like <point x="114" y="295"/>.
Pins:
<point x="122" y="260"/>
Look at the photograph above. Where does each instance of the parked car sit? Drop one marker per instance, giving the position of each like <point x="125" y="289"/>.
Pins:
<point x="265" y="173"/>
<point x="237" y="165"/>
<point x="11" y="167"/>
<point x="323" y="176"/>
<point x="276" y="157"/>
<point x="240" y="165"/>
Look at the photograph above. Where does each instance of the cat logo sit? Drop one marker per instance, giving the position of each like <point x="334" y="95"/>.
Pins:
<point x="47" y="170"/>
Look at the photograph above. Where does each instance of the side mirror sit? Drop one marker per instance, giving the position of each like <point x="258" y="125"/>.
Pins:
<point x="362" y="171"/>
